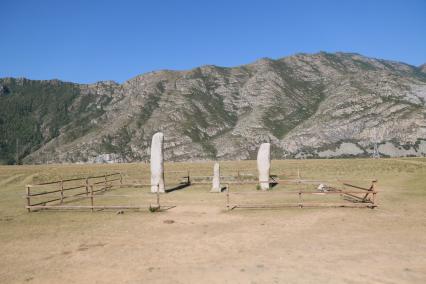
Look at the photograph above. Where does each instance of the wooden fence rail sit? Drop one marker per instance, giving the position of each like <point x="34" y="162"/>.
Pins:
<point x="363" y="201"/>
<point x="63" y="184"/>
<point x="93" y="188"/>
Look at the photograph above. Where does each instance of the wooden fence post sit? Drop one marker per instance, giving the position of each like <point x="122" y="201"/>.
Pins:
<point x="87" y="186"/>
<point x="121" y="178"/>
<point x="28" y="198"/>
<point x="373" y="188"/>
<point x="62" y="190"/>
<point x="300" y="200"/>
<point x="91" y="196"/>
<point x="158" y="196"/>
<point x="227" y="196"/>
<point x="105" y="183"/>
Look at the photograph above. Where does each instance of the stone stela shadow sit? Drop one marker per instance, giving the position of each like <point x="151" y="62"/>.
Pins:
<point x="181" y="186"/>
<point x="273" y="182"/>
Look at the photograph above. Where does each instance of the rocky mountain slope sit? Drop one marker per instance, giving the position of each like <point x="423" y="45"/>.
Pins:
<point x="306" y="105"/>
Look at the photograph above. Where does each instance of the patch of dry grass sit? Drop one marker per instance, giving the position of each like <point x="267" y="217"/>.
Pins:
<point x="202" y="242"/>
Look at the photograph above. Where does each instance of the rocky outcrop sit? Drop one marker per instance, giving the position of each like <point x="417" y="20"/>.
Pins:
<point x="423" y="68"/>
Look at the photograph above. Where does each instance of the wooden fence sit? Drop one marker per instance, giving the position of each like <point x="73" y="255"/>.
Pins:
<point x="91" y="187"/>
<point x="63" y="191"/>
<point x="241" y="176"/>
<point x="357" y="197"/>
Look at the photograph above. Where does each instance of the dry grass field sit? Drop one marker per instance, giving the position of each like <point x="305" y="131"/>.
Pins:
<point x="198" y="241"/>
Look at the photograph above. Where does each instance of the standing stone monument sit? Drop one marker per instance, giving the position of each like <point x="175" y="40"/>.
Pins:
<point x="157" y="164"/>
<point x="264" y="165"/>
<point x="216" y="178"/>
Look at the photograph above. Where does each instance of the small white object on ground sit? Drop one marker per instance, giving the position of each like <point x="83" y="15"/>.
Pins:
<point x="322" y="188"/>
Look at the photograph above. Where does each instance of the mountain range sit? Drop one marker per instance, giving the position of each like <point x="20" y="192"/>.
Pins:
<point x="320" y="105"/>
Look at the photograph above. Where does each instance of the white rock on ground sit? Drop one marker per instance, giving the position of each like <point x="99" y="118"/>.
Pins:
<point x="157" y="164"/>
<point x="216" y="178"/>
<point x="264" y="165"/>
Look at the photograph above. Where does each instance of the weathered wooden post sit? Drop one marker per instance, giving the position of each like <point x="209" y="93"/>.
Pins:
<point x="158" y="198"/>
<point x="105" y="182"/>
<point x="373" y="188"/>
<point x="28" y="198"/>
<point x="91" y="196"/>
<point x="87" y="186"/>
<point x="227" y="196"/>
<point x="62" y="191"/>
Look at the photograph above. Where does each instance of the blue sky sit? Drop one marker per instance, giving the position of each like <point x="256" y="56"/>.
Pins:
<point x="88" y="41"/>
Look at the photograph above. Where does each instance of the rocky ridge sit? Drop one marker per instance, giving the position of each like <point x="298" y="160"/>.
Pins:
<point x="307" y="105"/>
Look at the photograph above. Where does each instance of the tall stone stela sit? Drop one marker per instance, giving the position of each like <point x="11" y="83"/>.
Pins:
<point x="264" y="165"/>
<point x="157" y="163"/>
<point x="216" y="178"/>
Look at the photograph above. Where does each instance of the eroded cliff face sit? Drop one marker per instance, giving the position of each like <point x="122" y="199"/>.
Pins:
<point x="307" y="105"/>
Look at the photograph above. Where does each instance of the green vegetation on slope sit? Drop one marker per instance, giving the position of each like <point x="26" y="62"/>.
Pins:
<point x="31" y="113"/>
<point x="34" y="112"/>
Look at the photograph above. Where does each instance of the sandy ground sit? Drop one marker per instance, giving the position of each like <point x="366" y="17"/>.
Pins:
<point x="200" y="242"/>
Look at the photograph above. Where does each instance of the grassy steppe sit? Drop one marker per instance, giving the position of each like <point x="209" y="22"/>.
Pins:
<point x="206" y="244"/>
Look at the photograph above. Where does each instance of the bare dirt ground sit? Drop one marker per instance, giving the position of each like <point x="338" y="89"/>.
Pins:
<point x="200" y="242"/>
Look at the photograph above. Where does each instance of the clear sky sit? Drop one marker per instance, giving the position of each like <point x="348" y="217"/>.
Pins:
<point x="86" y="40"/>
